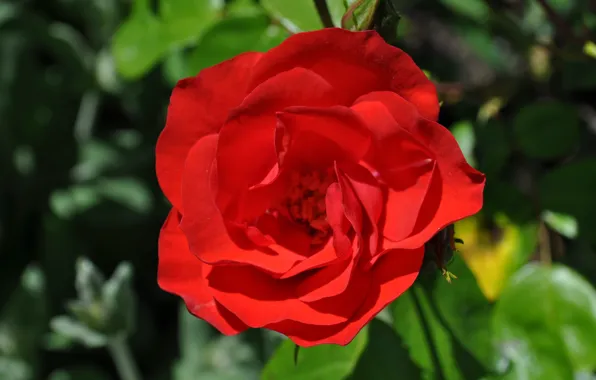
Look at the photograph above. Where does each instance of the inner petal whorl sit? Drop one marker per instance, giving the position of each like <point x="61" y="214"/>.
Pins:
<point x="305" y="202"/>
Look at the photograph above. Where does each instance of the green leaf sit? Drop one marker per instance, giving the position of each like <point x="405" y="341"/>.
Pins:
<point x="566" y="225"/>
<point x="233" y="36"/>
<point x="463" y="131"/>
<point x="15" y="369"/>
<point x="569" y="189"/>
<point x="89" y="281"/>
<point x="139" y="43"/>
<point x="119" y="301"/>
<point x="76" y="331"/>
<point x="185" y="20"/>
<point x="296" y="16"/>
<point x="384" y="356"/>
<point x="428" y="341"/>
<point x="79" y="373"/>
<point x="24" y="318"/>
<point x="554" y="337"/>
<point x="476" y="10"/>
<point x="324" y="362"/>
<point x="496" y="148"/>
<point x="360" y="15"/>
<point x="466" y="311"/>
<point x="546" y="129"/>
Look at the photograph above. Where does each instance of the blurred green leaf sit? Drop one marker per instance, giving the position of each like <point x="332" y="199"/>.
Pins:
<point x="139" y="42"/>
<point x="119" y="300"/>
<point x="175" y="67"/>
<point x="496" y="148"/>
<point x="203" y="357"/>
<point x="73" y="329"/>
<point x="129" y="192"/>
<point x="476" y="10"/>
<point x="578" y="75"/>
<point x="546" y="129"/>
<point x="233" y="36"/>
<point x="296" y="16"/>
<point x="569" y="189"/>
<point x="79" y="373"/>
<point x="566" y="225"/>
<point x="185" y="20"/>
<point x="463" y="131"/>
<point x="384" y="356"/>
<point x="15" y="369"/>
<point x="324" y="362"/>
<point x="553" y="337"/>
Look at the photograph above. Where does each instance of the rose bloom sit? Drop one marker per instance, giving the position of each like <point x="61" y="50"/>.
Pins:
<point x="305" y="182"/>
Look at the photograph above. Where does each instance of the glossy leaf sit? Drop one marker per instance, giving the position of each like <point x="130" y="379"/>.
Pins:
<point x="139" y="43"/>
<point x="296" y="16"/>
<point x="428" y="341"/>
<point x="324" y="362"/>
<point x="385" y="356"/>
<point x="553" y="338"/>
<point x="233" y="36"/>
<point x="186" y="20"/>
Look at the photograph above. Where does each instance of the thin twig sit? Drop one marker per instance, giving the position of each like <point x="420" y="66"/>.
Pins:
<point x="324" y="13"/>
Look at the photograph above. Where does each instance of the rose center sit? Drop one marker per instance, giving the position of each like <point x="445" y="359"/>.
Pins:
<point x="305" y="202"/>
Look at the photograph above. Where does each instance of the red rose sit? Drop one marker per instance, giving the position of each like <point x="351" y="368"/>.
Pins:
<point x="305" y="182"/>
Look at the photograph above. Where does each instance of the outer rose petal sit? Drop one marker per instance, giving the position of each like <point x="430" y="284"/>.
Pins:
<point x="392" y="275"/>
<point x="455" y="191"/>
<point x="180" y="272"/>
<point x="258" y="299"/>
<point x="208" y="236"/>
<point x="355" y="63"/>
<point x="198" y="106"/>
<point x="403" y="162"/>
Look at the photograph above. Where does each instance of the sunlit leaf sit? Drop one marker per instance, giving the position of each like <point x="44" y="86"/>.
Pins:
<point x="186" y="20"/>
<point x="140" y="42"/>
<point x="553" y="337"/>
<point x="296" y="16"/>
<point x="324" y="362"/>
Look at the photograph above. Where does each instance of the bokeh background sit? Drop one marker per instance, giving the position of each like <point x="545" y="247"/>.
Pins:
<point x="84" y="88"/>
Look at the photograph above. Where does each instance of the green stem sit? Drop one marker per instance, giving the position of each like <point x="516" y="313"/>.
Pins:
<point x="324" y="13"/>
<point x="123" y="359"/>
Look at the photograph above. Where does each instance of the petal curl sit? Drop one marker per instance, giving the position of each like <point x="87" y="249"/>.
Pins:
<point x="392" y="275"/>
<point x="456" y="190"/>
<point x="198" y="106"/>
<point x="180" y="272"/>
<point x="355" y="63"/>
<point x="246" y="153"/>
<point x="209" y="237"/>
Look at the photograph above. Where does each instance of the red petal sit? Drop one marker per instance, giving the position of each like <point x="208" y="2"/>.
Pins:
<point x="367" y="190"/>
<point x="258" y="299"/>
<point x="456" y="189"/>
<point x="208" y="236"/>
<point x="355" y="63"/>
<point x="403" y="162"/>
<point x="180" y="272"/>
<point x="246" y="151"/>
<point x="199" y="106"/>
<point x="392" y="275"/>
<point x="320" y="136"/>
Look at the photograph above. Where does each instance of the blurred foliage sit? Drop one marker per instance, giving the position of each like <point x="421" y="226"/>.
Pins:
<point x="84" y="86"/>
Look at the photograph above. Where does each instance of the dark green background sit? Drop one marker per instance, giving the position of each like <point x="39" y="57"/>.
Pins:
<point x="84" y="86"/>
